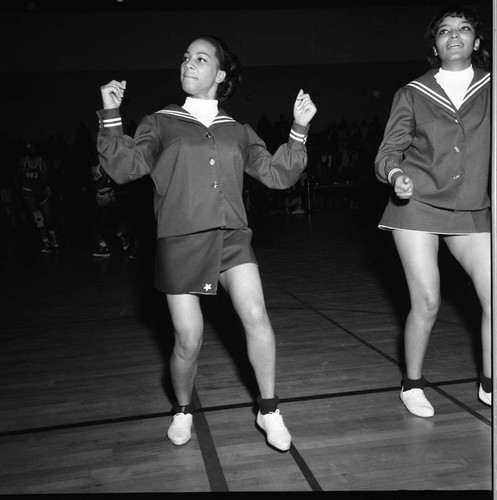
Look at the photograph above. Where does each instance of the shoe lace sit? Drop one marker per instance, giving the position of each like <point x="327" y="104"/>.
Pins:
<point x="419" y="395"/>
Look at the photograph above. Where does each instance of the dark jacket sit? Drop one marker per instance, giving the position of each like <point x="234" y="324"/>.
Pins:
<point x="197" y="170"/>
<point x="445" y="151"/>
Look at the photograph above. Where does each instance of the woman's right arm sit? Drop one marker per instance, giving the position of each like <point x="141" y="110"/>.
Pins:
<point x="398" y="136"/>
<point x="124" y="158"/>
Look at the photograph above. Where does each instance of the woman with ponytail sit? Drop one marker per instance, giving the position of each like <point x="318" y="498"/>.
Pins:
<point x="196" y="155"/>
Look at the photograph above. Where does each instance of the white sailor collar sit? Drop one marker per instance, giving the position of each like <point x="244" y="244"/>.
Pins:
<point x="175" y="111"/>
<point x="427" y="86"/>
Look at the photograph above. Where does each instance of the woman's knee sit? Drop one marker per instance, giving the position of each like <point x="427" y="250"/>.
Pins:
<point x="188" y="346"/>
<point x="433" y="302"/>
<point x="428" y="304"/>
<point x="254" y="314"/>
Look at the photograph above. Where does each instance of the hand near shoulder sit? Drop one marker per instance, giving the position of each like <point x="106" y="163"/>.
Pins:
<point x="403" y="187"/>
<point x="303" y="109"/>
<point x="112" y="94"/>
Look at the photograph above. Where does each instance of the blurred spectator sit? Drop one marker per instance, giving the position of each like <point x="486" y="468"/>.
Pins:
<point x="33" y="186"/>
<point x="107" y="215"/>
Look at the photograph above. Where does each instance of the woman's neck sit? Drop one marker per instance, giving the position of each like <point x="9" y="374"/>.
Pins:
<point x="455" y="65"/>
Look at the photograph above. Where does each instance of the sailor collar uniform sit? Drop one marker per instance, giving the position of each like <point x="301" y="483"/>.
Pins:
<point x="428" y="85"/>
<point x="444" y="150"/>
<point x="182" y="114"/>
<point x="197" y="170"/>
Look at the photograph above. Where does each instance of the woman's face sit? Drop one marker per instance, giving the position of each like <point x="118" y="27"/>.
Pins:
<point x="454" y="43"/>
<point x="200" y="74"/>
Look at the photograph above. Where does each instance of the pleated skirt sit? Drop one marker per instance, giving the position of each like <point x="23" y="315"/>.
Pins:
<point x="416" y="216"/>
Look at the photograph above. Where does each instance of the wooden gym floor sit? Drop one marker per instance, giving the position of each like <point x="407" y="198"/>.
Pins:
<point x="84" y="387"/>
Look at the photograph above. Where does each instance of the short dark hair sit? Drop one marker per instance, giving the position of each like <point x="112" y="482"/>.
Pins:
<point x="480" y="58"/>
<point x="229" y="63"/>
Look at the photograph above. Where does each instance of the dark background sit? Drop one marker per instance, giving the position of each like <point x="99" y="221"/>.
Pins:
<point x="350" y="57"/>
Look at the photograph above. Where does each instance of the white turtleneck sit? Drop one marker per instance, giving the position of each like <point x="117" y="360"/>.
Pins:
<point x="455" y="83"/>
<point x="204" y="110"/>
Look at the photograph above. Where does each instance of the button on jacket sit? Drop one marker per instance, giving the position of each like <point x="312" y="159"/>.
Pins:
<point x="445" y="151"/>
<point x="197" y="170"/>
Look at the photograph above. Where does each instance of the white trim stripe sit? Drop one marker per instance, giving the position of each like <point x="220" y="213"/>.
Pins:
<point x="428" y="90"/>
<point x="393" y="171"/>
<point x="182" y="114"/>
<point x="112" y="122"/>
<point x="476" y="86"/>
<point x="433" y="95"/>
<point x="480" y="82"/>
<point x="188" y="116"/>
<point x="296" y="136"/>
<point x="223" y="119"/>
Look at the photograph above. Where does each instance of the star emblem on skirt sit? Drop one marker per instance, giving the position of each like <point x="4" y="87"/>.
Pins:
<point x="207" y="287"/>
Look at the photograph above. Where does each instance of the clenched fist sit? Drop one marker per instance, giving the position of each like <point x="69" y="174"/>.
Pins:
<point x="112" y="94"/>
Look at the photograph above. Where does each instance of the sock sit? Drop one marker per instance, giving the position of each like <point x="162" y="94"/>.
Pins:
<point x="409" y="384"/>
<point x="189" y="408"/>
<point x="486" y="383"/>
<point x="268" y="405"/>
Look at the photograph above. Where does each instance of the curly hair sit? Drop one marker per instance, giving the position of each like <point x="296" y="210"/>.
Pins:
<point x="480" y="58"/>
<point x="229" y="63"/>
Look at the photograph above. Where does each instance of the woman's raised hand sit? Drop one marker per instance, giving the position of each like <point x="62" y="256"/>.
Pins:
<point x="113" y="93"/>
<point x="303" y="109"/>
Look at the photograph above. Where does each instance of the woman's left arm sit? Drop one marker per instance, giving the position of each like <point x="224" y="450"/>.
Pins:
<point x="283" y="169"/>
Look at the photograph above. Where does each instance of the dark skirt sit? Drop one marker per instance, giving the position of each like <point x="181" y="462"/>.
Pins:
<point x="192" y="263"/>
<point x="416" y="216"/>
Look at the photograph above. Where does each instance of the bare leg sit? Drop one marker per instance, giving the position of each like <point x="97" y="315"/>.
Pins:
<point x="474" y="254"/>
<point x="244" y="287"/>
<point x="188" y="324"/>
<point x="419" y="255"/>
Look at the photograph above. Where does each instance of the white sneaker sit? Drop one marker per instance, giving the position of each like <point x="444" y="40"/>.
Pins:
<point x="415" y="401"/>
<point x="484" y="397"/>
<point x="276" y="432"/>
<point x="179" y="431"/>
